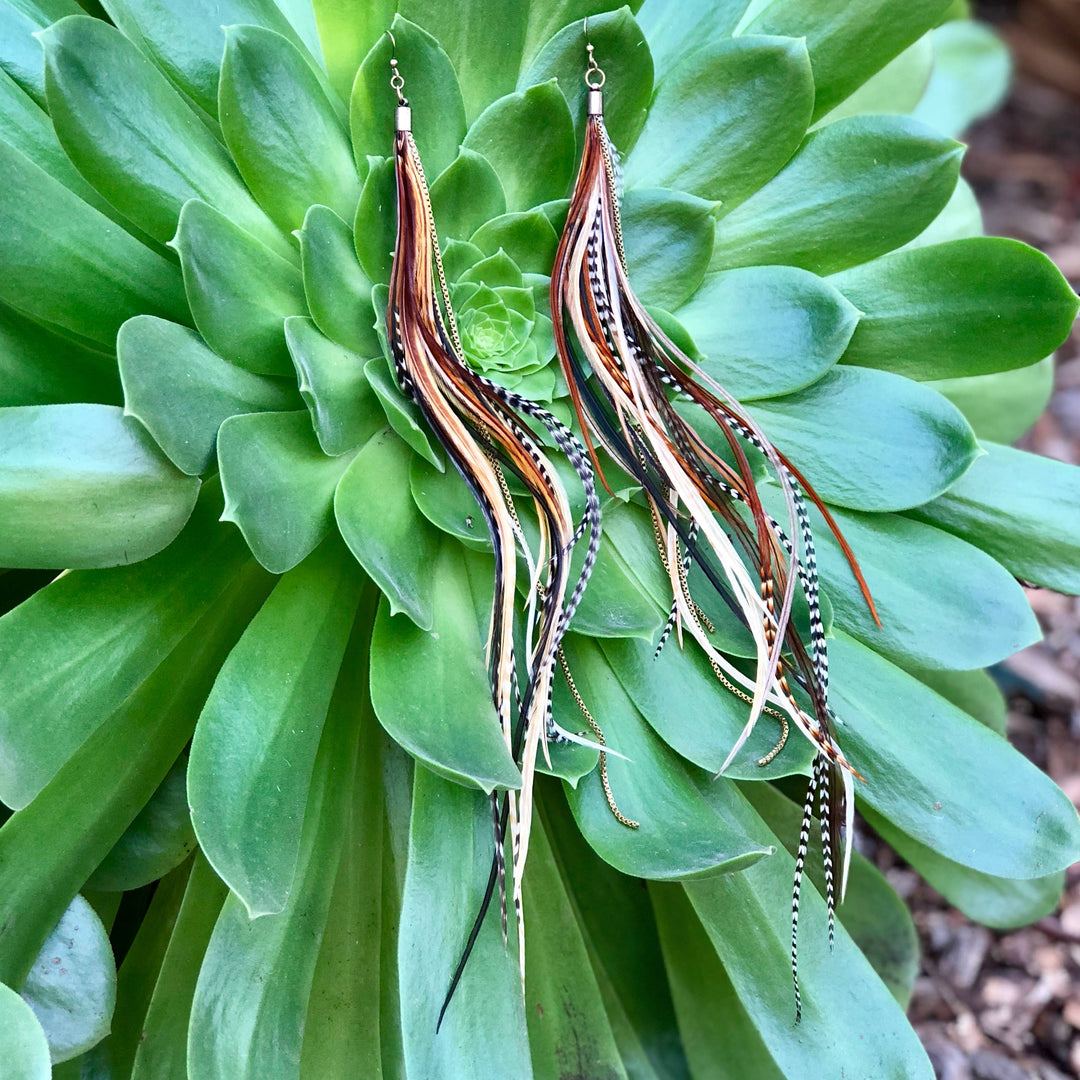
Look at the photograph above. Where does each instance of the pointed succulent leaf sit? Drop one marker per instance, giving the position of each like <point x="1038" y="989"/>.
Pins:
<point x="384" y="529"/>
<point x="83" y="486"/>
<point x="975" y="692"/>
<point x="182" y="391"/>
<point x="338" y="292"/>
<point x="870" y="440"/>
<point x="960" y="219"/>
<point x="347" y="32"/>
<point x="465" y="195"/>
<point x="88" y="277"/>
<point x="239" y="290"/>
<point x="528" y="237"/>
<point x="726" y="119"/>
<point x="22" y="1042"/>
<point x="431" y="85"/>
<point x="674" y="30"/>
<point x="278" y="484"/>
<point x="1004" y="304"/>
<point x="855" y="190"/>
<point x="257" y="737"/>
<point x="281" y="129"/>
<point x="848" y="42"/>
<point x="373" y="226"/>
<point x="72" y="985"/>
<point x="134" y="137"/>
<point x="528" y="137"/>
<point x="401" y="413"/>
<point x="767" y="330"/>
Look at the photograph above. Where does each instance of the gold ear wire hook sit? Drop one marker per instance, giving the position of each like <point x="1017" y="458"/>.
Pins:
<point x="397" y="82"/>
<point x="594" y="74"/>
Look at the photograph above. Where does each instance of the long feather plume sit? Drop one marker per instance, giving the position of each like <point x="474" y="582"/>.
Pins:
<point x="625" y="375"/>
<point x="476" y="422"/>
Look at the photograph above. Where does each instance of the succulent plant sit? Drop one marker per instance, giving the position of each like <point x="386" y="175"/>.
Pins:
<point x="245" y="737"/>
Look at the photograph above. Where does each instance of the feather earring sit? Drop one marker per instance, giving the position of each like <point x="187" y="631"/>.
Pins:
<point x="624" y="375"/>
<point x="476" y="422"/>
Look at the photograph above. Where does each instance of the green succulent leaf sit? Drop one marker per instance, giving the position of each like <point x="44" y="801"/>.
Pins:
<point x="628" y="72"/>
<point x="279" y="485"/>
<point x="401" y="413"/>
<point x="373" y="227"/>
<point x="186" y="40"/>
<point x="767" y="330"/>
<point x="134" y="137"/>
<point x="1000" y="903"/>
<point x="155" y="843"/>
<point x="961" y="219"/>
<point x="679" y="834"/>
<point x="22" y="1042"/>
<point x="528" y="137"/>
<point x="344" y="409"/>
<point x="338" y="292"/>
<point x="239" y="290"/>
<point x="72" y="985"/>
<point x="247" y="1016"/>
<point x="438" y="114"/>
<point x="483" y="1032"/>
<point x="122" y="624"/>
<point x="161" y="1053"/>
<point x="88" y="277"/>
<point x="870" y="440"/>
<point x="673" y="30"/>
<point x="1021" y="509"/>
<point x="384" y="528"/>
<point x="156" y="358"/>
<point x="527" y="237"/>
<point x="669" y="239"/>
<point x="267" y="711"/>
<point x="431" y="686"/>
<point x="725" y="119"/>
<point x="347" y="32"/>
<point x="848" y="42"/>
<point x="910" y="778"/>
<point x="485" y="44"/>
<point x="282" y="130"/>
<point x="1004" y="304"/>
<point x="466" y="194"/>
<point x="975" y="692"/>
<point x="855" y="190"/>
<point x="82" y="486"/>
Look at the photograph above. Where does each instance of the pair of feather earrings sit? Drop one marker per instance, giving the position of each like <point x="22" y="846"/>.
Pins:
<point x="623" y="373"/>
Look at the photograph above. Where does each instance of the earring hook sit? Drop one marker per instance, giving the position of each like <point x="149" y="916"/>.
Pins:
<point x="397" y="81"/>
<point x="594" y="74"/>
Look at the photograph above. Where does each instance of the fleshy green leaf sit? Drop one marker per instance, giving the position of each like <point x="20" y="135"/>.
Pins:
<point x="182" y="391"/>
<point x="1022" y="509"/>
<point x="186" y="40"/>
<point x="725" y="119"/>
<point x="855" y="190"/>
<point x="22" y="1042"/>
<point x="430" y="688"/>
<point x="155" y="843"/>
<point x="83" y="486"/>
<point x="239" y="290"/>
<point x="628" y="72"/>
<point x="431" y="86"/>
<point x="528" y="137"/>
<point x="120" y="625"/>
<point x="247" y="1016"/>
<point x="254" y="749"/>
<point x="375" y="221"/>
<point x="278" y="484"/>
<point x="281" y="129"/>
<point x="905" y="739"/>
<point x="679" y="834"/>
<point x="162" y="1049"/>
<point x="767" y="330"/>
<point x="848" y="41"/>
<point x="970" y="76"/>
<point x="485" y="44"/>
<point x="450" y="851"/>
<point x="996" y="902"/>
<point x="347" y="31"/>
<point x="1003" y="406"/>
<point x="343" y="407"/>
<point x="870" y="440"/>
<point x="384" y="529"/>
<point x="338" y="292"/>
<point x="964" y="308"/>
<point x="959" y="220"/>
<point x="402" y="414"/>
<point x="669" y="240"/>
<point x="943" y="603"/>
<point x="465" y="195"/>
<point x="528" y="238"/>
<point x="72" y="985"/>
<point x="134" y="137"/>
<point x="674" y="30"/>
<point x="87" y="277"/>
<point x="973" y="691"/>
